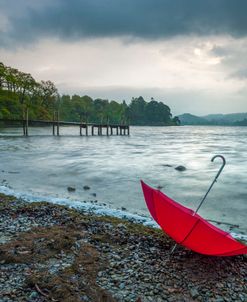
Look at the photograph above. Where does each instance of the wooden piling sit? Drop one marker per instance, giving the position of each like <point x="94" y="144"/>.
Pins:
<point x="57" y="123"/>
<point x="53" y="124"/>
<point x="27" y="122"/>
<point x="23" y="123"/>
<point x="85" y="126"/>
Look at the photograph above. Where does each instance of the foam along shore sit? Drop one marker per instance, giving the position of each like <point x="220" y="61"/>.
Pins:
<point x="97" y="209"/>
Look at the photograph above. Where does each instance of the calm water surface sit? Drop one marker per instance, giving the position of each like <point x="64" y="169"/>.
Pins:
<point x="112" y="166"/>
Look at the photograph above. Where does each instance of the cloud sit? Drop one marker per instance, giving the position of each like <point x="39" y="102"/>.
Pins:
<point x="240" y="74"/>
<point x="146" y="19"/>
<point x="232" y="54"/>
<point x="185" y="73"/>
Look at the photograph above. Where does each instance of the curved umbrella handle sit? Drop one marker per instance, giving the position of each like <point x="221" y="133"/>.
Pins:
<point x="214" y="181"/>
<point x="223" y="164"/>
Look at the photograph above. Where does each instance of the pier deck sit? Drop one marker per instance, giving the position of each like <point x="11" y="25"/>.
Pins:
<point x="110" y="129"/>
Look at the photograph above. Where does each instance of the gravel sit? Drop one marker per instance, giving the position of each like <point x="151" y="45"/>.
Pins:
<point x="129" y="262"/>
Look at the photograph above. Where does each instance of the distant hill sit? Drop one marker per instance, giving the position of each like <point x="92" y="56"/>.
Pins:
<point x="233" y="119"/>
<point x="190" y="119"/>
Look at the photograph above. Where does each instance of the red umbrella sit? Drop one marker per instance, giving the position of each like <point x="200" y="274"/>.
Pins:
<point x="188" y="228"/>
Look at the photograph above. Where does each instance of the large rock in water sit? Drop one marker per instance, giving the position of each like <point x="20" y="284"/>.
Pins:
<point x="86" y="188"/>
<point x="71" y="189"/>
<point x="180" y="168"/>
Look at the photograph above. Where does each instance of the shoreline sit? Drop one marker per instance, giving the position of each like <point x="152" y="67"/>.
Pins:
<point x="102" y="209"/>
<point x="52" y="252"/>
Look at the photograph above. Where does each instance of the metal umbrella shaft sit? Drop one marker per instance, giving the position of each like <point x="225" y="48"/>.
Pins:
<point x="214" y="181"/>
<point x="205" y="196"/>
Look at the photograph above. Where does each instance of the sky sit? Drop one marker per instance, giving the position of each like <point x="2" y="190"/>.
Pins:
<point x="189" y="54"/>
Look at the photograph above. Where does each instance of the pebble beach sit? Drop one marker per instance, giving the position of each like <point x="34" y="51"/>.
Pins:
<point x="55" y="253"/>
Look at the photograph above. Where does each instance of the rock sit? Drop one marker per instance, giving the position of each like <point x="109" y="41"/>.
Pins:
<point x="100" y="274"/>
<point x="86" y="188"/>
<point x="84" y="298"/>
<point x="180" y="168"/>
<point x="194" y="293"/>
<point x="121" y="226"/>
<point x="122" y="285"/>
<point x="71" y="189"/>
<point x="33" y="295"/>
<point x="219" y="299"/>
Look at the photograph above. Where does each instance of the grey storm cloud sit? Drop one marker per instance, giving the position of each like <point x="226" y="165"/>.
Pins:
<point x="147" y="19"/>
<point x="240" y="74"/>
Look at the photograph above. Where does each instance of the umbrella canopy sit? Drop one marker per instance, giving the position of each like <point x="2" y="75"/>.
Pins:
<point x="188" y="228"/>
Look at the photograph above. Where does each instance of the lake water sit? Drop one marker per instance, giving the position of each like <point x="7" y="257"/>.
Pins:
<point x="43" y="165"/>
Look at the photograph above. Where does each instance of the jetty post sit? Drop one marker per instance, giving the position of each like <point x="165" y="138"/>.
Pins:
<point x="57" y="123"/>
<point x="25" y="122"/>
<point x="53" y="124"/>
<point x="107" y="125"/>
<point x="85" y="126"/>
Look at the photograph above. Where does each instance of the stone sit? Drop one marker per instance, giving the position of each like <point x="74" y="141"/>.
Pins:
<point x="71" y="189"/>
<point x="33" y="295"/>
<point x="86" y="188"/>
<point x="122" y="285"/>
<point x="159" y="187"/>
<point x="194" y="293"/>
<point x="180" y="168"/>
<point x="121" y="226"/>
<point x="219" y="299"/>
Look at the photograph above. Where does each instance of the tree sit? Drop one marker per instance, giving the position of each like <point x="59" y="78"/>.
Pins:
<point x="137" y="110"/>
<point x="2" y="75"/>
<point x="176" y="120"/>
<point x="101" y="110"/>
<point x="48" y="94"/>
<point x="87" y="105"/>
<point x="19" y="90"/>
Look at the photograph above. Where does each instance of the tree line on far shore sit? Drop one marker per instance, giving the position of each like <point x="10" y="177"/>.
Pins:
<point x="19" y="90"/>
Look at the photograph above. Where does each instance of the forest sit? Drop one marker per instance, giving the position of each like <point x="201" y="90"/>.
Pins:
<point x="19" y="90"/>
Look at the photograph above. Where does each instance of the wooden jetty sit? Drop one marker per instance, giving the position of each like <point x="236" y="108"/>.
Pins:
<point x="109" y="129"/>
